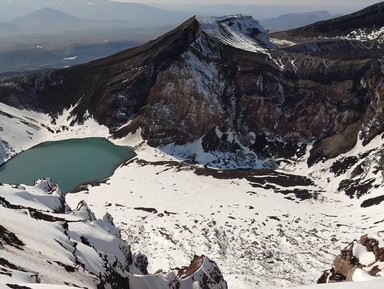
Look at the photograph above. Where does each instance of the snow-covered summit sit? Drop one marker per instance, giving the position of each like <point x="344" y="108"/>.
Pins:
<point x="240" y="31"/>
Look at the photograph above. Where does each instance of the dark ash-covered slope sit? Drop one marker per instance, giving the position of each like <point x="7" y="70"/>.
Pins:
<point x="96" y="86"/>
<point x="214" y="76"/>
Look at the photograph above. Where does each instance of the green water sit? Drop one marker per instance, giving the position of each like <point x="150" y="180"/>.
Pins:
<point x="68" y="163"/>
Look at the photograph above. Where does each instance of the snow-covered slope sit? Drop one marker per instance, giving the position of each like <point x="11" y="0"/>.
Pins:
<point x="43" y="241"/>
<point x="266" y="228"/>
<point x="376" y="283"/>
<point x="239" y="31"/>
<point x="256" y="235"/>
<point x="22" y="129"/>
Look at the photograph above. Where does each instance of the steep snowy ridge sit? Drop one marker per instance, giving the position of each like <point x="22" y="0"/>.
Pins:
<point x="43" y="241"/>
<point x="48" y="243"/>
<point x="239" y="31"/>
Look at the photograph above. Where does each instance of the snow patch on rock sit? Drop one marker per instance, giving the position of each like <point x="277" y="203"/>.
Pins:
<point x="375" y="34"/>
<point x="239" y="31"/>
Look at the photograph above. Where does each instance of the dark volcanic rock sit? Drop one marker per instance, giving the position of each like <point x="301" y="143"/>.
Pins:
<point x="372" y="201"/>
<point x="15" y="286"/>
<point x="346" y="263"/>
<point x="220" y="79"/>
<point x="10" y="239"/>
<point x="340" y="166"/>
<point x="108" y="88"/>
<point x="356" y="188"/>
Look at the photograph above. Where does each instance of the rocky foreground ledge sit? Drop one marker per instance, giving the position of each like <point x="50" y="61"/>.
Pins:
<point x="42" y="240"/>
<point x="361" y="260"/>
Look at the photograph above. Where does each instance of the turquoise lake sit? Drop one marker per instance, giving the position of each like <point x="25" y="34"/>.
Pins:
<point x="68" y="163"/>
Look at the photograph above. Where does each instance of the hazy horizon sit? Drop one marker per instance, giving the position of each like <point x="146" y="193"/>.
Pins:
<point x="259" y="9"/>
<point x="257" y="2"/>
<point x="269" y="8"/>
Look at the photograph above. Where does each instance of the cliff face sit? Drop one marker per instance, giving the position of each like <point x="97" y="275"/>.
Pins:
<point x="224" y="74"/>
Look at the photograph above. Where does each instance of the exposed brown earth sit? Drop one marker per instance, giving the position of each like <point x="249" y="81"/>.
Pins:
<point x="345" y="263"/>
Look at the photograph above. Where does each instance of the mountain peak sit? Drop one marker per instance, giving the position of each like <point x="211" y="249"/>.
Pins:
<point x="240" y="31"/>
<point x="46" y="17"/>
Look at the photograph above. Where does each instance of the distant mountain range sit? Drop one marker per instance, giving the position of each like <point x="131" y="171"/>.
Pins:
<point x="138" y="15"/>
<point x="145" y="15"/>
<point x="50" y="38"/>
<point x="38" y="33"/>
<point x="294" y="20"/>
<point x="368" y="20"/>
<point x="49" y="18"/>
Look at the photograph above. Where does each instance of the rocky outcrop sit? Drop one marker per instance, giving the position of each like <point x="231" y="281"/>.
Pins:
<point x="201" y="273"/>
<point x="361" y="260"/>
